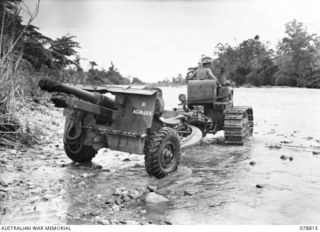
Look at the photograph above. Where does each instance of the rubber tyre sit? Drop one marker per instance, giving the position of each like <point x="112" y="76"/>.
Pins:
<point x="84" y="155"/>
<point x="162" y="152"/>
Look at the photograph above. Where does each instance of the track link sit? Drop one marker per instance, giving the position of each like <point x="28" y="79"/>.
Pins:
<point x="238" y="124"/>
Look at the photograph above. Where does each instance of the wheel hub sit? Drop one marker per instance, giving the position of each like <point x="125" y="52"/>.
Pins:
<point x="167" y="156"/>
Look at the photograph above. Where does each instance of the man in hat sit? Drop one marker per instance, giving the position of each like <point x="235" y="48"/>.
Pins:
<point x="204" y="72"/>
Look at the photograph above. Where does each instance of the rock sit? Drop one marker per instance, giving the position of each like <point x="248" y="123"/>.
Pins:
<point x="152" y="188"/>
<point x="109" y="202"/>
<point x="155" y="198"/>
<point x="126" y="160"/>
<point x="259" y="186"/>
<point x="115" y="208"/>
<point x="285" y="141"/>
<point x="82" y="183"/>
<point x="129" y="222"/>
<point x="274" y="146"/>
<point x="85" y="175"/>
<point x="103" y="221"/>
<point x="284" y="157"/>
<point x="291" y="158"/>
<point x="134" y="194"/>
<point x="186" y="193"/>
<point x="46" y="197"/>
<point x="3" y="184"/>
<point x="252" y="163"/>
<point x="117" y="192"/>
<point x="314" y="152"/>
<point x="167" y="223"/>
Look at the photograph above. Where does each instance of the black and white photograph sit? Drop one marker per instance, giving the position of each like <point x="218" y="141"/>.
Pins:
<point x="161" y="113"/>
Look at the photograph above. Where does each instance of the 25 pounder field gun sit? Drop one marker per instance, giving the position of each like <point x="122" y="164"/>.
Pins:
<point x="129" y="122"/>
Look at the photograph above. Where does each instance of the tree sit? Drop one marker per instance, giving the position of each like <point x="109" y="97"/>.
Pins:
<point x="249" y="62"/>
<point x="298" y="56"/>
<point x="63" y="49"/>
<point x="92" y="64"/>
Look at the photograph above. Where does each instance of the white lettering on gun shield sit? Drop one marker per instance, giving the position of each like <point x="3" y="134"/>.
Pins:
<point x="143" y="112"/>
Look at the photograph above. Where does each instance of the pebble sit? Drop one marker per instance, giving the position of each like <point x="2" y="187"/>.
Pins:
<point x="283" y="157"/>
<point x="291" y="158"/>
<point x="152" y="188"/>
<point x="3" y="184"/>
<point x="45" y="197"/>
<point x="316" y="152"/>
<point x="129" y="222"/>
<point x="85" y="175"/>
<point x="109" y="202"/>
<point x="155" y="198"/>
<point x="133" y="194"/>
<point x="252" y="163"/>
<point x="259" y="186"/>
<point x="103" y="221"/>
<point x="186" y="193"/>
<point x="115" y="208"/>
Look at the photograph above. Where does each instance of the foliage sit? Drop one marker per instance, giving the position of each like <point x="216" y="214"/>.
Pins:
<point x="103" y="77"/>
<point x="298" y="57"/>
<point x="249" y="62"/>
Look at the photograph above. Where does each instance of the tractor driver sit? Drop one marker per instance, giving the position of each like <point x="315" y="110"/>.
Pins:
<point x="204" y="72"/>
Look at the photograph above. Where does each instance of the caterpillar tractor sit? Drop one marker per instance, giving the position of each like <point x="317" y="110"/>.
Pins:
<point x="210" y="108"/>
<point x="134" y="120"/>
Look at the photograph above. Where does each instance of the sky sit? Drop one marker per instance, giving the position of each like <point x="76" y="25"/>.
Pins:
<point x="158" y="39"/>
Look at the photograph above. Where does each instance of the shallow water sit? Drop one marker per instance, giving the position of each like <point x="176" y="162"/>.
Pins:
<point x="215" y="184"/>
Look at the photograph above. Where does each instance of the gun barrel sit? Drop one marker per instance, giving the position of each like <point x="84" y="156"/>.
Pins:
<point x="93" y="97"/>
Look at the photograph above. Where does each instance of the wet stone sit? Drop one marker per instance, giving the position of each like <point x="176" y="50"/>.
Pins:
<point x="103" y="222"/>
<point x="109" y="202"/>
<point x="3" y="184"/>
<point x="46" y="198"/>
<point x="284" y="157"/>
<point x="115" y="208"/>
<point x="152" y="188"/>
<point x="134" y="194"/>
<point x="155" y="198"/>
<point x="252" y="163"/>
<point x="187" y="193"/>
<point x="316" y="152"/>
<point x="130" y="222"/>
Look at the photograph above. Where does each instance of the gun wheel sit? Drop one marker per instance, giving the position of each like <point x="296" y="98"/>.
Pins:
<point x="73" y="139"/>
<point x="162" y="152"/>
<point x="79" y="153"/>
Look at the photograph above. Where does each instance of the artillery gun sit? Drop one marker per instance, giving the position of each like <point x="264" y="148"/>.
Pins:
<point x="134" y="120"/>
<point x="129" y="122"/>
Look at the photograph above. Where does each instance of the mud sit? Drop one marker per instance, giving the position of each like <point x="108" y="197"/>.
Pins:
<point x="215" y="184"/>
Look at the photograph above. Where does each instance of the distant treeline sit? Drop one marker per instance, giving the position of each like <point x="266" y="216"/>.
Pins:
<point x="295" y="61"/>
